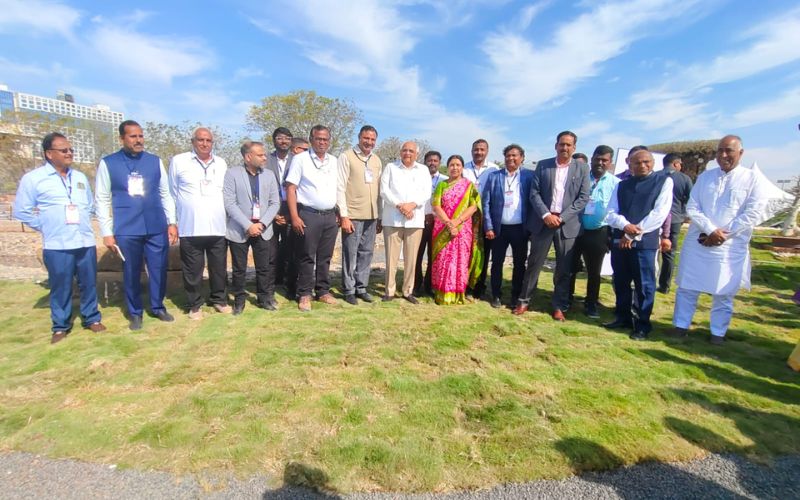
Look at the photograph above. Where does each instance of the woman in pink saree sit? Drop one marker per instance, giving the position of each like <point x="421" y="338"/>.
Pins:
<point x="457" y="247"/>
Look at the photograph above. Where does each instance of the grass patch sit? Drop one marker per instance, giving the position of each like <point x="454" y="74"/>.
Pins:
<point x="402" y="398"/>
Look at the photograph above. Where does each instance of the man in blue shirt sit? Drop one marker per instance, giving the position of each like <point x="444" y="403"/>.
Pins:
<point x="592" y="243"/>
<point x="57" y="201"/>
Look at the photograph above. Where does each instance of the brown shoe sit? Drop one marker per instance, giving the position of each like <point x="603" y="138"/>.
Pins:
<point x="558" y="315"/>
<point x="223" y="308"/>
<point x="58" y="337"/>
<point x="304" y="304"/>
<point x="327" y="299"/>
<point x="97" y="327"/>
<point x="520" y="309"/>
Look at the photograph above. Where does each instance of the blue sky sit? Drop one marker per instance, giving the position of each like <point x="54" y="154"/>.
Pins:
<point x="449" y="71"/>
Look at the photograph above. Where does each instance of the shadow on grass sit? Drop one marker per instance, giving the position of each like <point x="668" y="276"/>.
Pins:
<point x="783" y="392"/>
<point x="634" y="483"/>
<point x="302" y="481"/>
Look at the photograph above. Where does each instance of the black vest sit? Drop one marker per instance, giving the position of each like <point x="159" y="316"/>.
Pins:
<point x="637" y="197"/>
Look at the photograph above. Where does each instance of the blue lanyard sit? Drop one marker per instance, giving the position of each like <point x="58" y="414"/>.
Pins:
<point x="67" y="188"/>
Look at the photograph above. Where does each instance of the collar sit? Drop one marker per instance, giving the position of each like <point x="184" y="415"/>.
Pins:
<point x="562" y="165"/>
<point x="132" y="156"/>
<point x="52" y="170"/>
<point x="210" y="160"/>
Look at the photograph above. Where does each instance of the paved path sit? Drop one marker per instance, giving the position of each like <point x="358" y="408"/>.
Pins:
<point x="24" y="476"/>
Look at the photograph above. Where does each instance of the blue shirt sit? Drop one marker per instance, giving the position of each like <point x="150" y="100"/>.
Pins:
<point x="41" y="201"/>
<point x="599" y="197"/>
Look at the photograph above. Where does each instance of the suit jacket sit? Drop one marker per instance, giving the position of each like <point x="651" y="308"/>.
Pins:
<point x="272" y="166"/>
<point x="238" y="199"/>
<point x="493" y="198"/>
<point x="576" y="196"/>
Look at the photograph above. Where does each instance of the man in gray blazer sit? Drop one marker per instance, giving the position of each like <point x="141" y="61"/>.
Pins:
<point x="559" y="192"/>
<point x="251" y="201"/>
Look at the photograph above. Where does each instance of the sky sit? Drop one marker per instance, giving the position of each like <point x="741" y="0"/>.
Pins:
<point x="619" y="72"/>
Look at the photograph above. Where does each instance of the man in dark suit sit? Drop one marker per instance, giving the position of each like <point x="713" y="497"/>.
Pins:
<point x="559" y="192"/>
<point x="277" y="163"/>
<point x="505" y="208"/>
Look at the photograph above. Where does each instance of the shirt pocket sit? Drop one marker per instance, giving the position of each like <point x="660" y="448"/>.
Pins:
<point x="736" y="198"/>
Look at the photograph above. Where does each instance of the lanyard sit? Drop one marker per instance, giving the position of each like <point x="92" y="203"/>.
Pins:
<point x="321" y="165"/>
<point x="359" y="157"/>
<point x="204" y="166"/>
<point x="510" y="182"/>
<point x="256" y="187"/>
<point x="67" y="188"/>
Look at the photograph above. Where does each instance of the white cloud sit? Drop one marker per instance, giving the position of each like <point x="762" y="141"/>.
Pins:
<point x="529" y="12"/>
<point x="38" y="16"/>
<point x="247" y="72"/>
<point x="150" y="58"/>
<point x="525" y="76"/>
<point x="787" y="105"/>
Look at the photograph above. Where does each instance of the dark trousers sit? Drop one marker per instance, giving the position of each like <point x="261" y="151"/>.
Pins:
<point x="152" y="250"/>
<point x="263" y="256"/>
<point x="283" y="260"/>
<point x="357" y="249"/>
<point x="592" y="245"/>
<point x="480" y="284"/>
<point x="425" y="248"/>
<point x="540" y="246"/>
<point x="195" y="250"/>
<point x="314" y="251"/>
<point x="62" y="266"/>
<point x="639" y="266"/>
<point x="514" y="235"/>
<point x="668" y="258"/>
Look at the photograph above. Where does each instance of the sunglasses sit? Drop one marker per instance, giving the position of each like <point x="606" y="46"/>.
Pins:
<point x="62" y="151"/>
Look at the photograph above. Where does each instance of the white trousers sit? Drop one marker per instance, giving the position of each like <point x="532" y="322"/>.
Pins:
<point x="686" y="304"/>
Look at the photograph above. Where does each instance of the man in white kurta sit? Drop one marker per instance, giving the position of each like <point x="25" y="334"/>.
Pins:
<point x="724" y="207"/>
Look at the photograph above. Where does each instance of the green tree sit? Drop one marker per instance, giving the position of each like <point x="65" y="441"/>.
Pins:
<point x="302" y="109"/>
<point x="388" y="150"/>
<point x="167" y="140"/>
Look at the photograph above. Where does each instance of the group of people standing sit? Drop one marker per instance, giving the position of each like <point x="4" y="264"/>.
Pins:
<point x="290" y="205"/>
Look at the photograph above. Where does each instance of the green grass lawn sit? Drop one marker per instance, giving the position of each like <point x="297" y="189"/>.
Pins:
<point x="401" y="397"/>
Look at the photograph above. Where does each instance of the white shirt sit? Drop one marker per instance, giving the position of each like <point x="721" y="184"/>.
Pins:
<point x="102" y="198"/>
<point x="652" y="221"/>
<point x="435" y="180"/>
<point x="282" y="164"/>
<point x="315" y="179"/>
<point x="733" y="201"/>
<point x="512" y="203"/>
<point x="478" y="175"/>
<point x="401" y="184"/>
<point x="559" y="188"/>
<point x="196" y="187"/>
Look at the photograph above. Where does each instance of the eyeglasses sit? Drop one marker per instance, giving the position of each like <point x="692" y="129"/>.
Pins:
<point x="62" y="151"/>
<point x="211" y="141"/>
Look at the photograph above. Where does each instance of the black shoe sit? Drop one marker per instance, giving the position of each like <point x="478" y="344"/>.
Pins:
<point x="496" y="302"/>
<point x="351" y="299"/>
<point x="411" y="299"/>
<point x="267" y="304"/>
<point x="135" y="323"/>
<point x="387" y="298"/>
<point x="663" y="289"/>
<point x="365" y="297"/>
<point x="638" y="335"/>
<point x="716" y="340"/>
<point x="618" y="325"/>
<point x="477" y="294"/>
<point x="164" y="316"/>
<point x="238" y="307"/>
<point x="590" y="310"/>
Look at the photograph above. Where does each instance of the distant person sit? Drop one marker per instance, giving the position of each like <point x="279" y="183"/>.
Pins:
<point x="195" y="182"/>
<point x="505" y="208"/>
<point x="581" y="157"/>
<point x="311" y="196"/>
<point x="636" y="212"/>
<point x="137" y="219"/>
<point x="278" y="162"/>
<point x="299" y="145"/>
<point x="477" y="171"/>
<point x="682" y="187"/>
<point x="357" y="200"/>
<point x="405" y="191"/>
<point x="252" y="200"/>
<point x="559" y="192"/>
<point x="457" y="249"/>
<point x="57" y="201"/>
<point x="422" y="282"/>
<point x="592" y="243"/>
<point x="725" y="205"/>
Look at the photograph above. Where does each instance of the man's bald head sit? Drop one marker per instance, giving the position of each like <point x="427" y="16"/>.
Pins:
<point x="641" y="163"/>
<point x="408" y="153"/>
<point x="729" y="152"/>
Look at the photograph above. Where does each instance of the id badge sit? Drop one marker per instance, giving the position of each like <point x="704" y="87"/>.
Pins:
<point x="589" y="210"/>
<point x="256" y="214"/>
<point x="71" y="214"/>
<point x="135" y="184"/>
<point x="205" y="187"/>
<point x="509" y="199"/>
<point x="368" y="176"/>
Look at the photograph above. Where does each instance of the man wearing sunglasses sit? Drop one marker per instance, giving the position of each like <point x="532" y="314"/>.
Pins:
<point x="56" y="200"/>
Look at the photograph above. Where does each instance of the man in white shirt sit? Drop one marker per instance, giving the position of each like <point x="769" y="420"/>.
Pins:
<point x="477" y="171"/>
<point x="405" y="191"/>
<point x="311" y="197"/>
<point x="422" y="284"/>
<point x="638" y="208"/>
<point x="725" y="205"/>
<point x="196" y="179"/>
